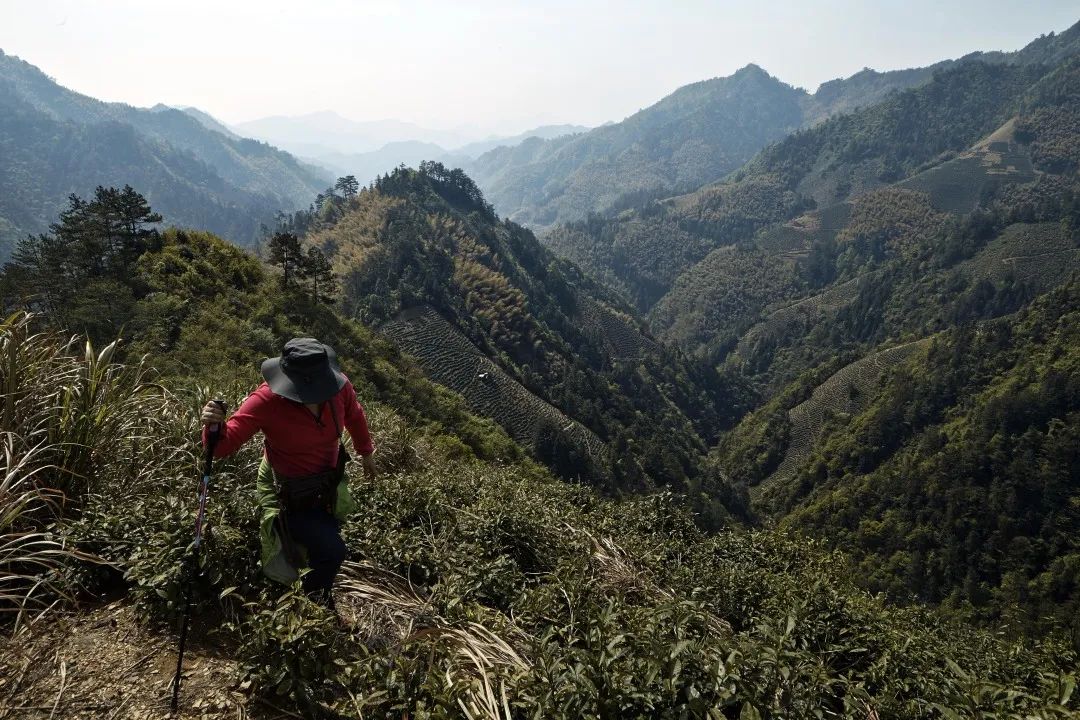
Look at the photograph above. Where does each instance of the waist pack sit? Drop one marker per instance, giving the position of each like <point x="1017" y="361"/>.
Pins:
<point x="309" y="492"/>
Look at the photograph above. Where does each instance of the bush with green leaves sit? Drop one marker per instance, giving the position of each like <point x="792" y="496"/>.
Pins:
<point x="484" y="589"/>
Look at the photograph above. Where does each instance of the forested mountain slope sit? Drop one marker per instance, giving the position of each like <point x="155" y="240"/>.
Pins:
<point x="923" y="409"/>
<point x="55" y="142"/>
<point x="643" y="250"/>
<point x="937" y="230"/>
<point x="467" y="573"/>
<point x="422" y="255"/>
<point x="697" y="135"/>
<point x="954" y="479"/>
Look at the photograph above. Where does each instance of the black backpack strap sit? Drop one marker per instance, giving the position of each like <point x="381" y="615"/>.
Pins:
<point x="337" y="425"/>
<point x="343" y="457"/>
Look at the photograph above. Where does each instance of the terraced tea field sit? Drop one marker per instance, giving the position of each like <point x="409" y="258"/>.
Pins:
<point x="449" y="358"/>
<point x="781" y="321"/>
<point x="846" y="393"/>
<point x="797" y="236"/>
<point x="956" y="186"/>
<point x="1038" y="254"/>
<point x="616" y="332"/>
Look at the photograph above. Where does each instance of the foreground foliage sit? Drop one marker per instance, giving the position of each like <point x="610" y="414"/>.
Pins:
<point x="493" y="590"/>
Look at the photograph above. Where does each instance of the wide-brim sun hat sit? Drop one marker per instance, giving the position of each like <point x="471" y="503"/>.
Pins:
<point x="307" y="371"/>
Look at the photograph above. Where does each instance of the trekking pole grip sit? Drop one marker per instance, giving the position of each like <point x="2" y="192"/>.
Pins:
<point x="215" y="430"/>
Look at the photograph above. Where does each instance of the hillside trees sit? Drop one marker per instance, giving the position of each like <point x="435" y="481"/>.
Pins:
<point x="284" y="251"/>
<point x="320" y="271"/>
<point x="427" y="237"/>
<point x="481" y="572"/>
<point x="300" y="268"/>
<point x="88" y="274"/>
<point x="80" y="269"/>
<point x="958" y="483"/>
<point x="54" y="142"/>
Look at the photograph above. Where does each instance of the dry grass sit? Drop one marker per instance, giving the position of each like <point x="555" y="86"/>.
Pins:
<point x="622" y="574"/>
<point x="69" y="418"/>
<point x="387" y="612"/>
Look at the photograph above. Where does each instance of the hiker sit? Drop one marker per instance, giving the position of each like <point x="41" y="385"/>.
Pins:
<point x="301" y="410"/>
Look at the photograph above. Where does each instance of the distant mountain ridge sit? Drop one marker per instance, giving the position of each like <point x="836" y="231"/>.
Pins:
<point x="326" y="130"/>
<point x="371" y="148"/>
<point x="544" y="132"/>
<point x="697" y="135"/>
<point x="645" y="248"/>
<point x="55" y="142"/>
<point x="208" y="121"/>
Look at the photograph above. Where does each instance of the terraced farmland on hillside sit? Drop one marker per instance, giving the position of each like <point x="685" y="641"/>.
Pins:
<point x="449" y="358"/>
<point x="797" y="236"/>
<point x="781" y="321"/>
<point x="722" y="295"/>
<point x="615" y="331"/>
<point x="958" y="185"/>
<point x="846" y="393"/>
<point x="1038" y="254"/>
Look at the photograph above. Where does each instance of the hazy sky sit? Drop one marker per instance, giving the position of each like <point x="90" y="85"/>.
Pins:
<point x="499" y="65"/>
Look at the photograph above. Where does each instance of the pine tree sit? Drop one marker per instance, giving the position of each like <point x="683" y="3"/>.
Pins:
<point x="318" y="268"/>
<point x="284" y="251"/>
<point x="125" y="215"/>
<point x="348" y="186"/>
<point x="96" y="240"/>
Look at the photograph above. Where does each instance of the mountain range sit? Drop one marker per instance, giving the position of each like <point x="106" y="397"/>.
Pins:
<point x="56" y="142"/>
<point x="196" y="170"/>
<point x="696" y="135"/>
<point x="842" y="272"/>
<point x="831" y="283"/>
<point x="778" y="416"/>
<point x="368" y="149"/>
<point x="326" y="130"/>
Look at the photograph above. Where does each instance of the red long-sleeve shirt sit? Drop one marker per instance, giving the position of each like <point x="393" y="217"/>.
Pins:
<point x="297" y="443"/>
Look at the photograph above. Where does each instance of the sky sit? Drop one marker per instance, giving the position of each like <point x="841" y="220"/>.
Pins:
<point x="485" y="66"/>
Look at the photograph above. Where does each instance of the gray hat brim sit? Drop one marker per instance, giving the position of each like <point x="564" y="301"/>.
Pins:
<point x="314" y="388"/>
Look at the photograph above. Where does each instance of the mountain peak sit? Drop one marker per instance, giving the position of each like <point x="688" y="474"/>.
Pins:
<point x="752" y="71"/>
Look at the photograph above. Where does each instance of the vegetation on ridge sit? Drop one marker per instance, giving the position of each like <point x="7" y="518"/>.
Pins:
<point x="427" y="239"/>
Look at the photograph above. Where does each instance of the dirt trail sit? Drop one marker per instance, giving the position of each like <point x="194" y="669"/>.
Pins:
<point x="101" y="664"/>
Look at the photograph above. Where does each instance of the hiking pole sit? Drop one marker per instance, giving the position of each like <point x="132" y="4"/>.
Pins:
<point x="204" y="486"/>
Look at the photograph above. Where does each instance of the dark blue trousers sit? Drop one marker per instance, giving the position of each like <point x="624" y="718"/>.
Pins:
<point x="318" y="531"/>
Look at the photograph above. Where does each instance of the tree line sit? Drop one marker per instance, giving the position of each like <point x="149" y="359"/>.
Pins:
<point x="85" y="269"/>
